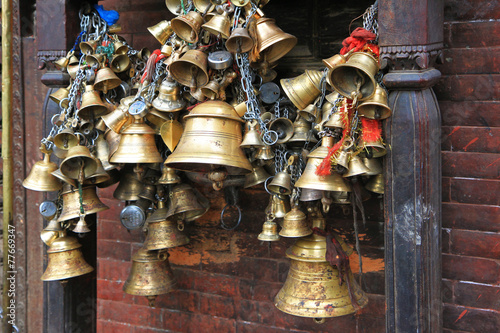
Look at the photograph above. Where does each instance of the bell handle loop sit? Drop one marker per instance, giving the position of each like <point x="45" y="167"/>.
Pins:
<point x="265" y="185"/>
<point x="81" y="138"/>
<point x="223" y="224"/>
<point x="180" y="225"/>
<point x="162" y="255"/>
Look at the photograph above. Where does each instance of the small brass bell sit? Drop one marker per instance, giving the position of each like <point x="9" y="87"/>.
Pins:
<point x="295" y="224"/>
<point x="95" y="61"/>
<point x="281" y="184"/>
<point x="106" y="79"/>
<point x="252" y="137"/>
<point x="239" y="41"/>
<point x="120" y="48"/>
<point x="169" y="176"/>
<point x="78" y="163"/>
<point x="376" y="107"/>
<point x="272" y="42"/>
<point x="197" y="94"/>
<point x="301" y="133"/>
<point x="219" y="25"/>
<point x="188" y="26"/>
<point x="59" y="95"/>
<point x="283" y="127"/>
<point x="81" y="227"/>
<point x="73" y="67"/>
<point x="102" y="153"/>
<point x="150" y="275"/>
<point x="303" y="89"/>
<point x="310" y="113"/>
<point x="186" y="203"/>
<point x="342" y="161"/>
<point x="63" y="62"/>
<point x="265" y="153"/>
<point x="203" y="5"/>
<point x="89" y="46"/>
<point x="163" y="233"/>
<point x="50" y="233"/>
<point x="169" y="98"/>
<point x="191" y="69"/>
<point x="278" y="206"/>
<point x="114" y="177"/>
<point x="176" y="6"/>
<point x="240" y="3"/>
<point x="211" y="90"/>
<point x="113" y="140"/>
<point x="356" y="167"/>
<point x="269" y="231"/>
<point x="66" y="139"/>
<point x="148" y="192"/>
<point x="118" y="119"/>
<point x="373" y="149"/>
<point x="374" y="166"/>
<point x="71" y="202"/>
<point x="129" y="187"/>
<point x="376" y="184"/>
<point x="120" y="63"/>
<point x="258" y="176"/>
<point x="92" y="105"/>
<point x="40" y="177"/>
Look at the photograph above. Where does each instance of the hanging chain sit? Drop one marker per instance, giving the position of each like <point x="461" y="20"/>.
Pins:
<point x="279" y="158"/>
<point x="370" y="22"/>
<point x="160" y="69"/>
<point x="250" y="14"/>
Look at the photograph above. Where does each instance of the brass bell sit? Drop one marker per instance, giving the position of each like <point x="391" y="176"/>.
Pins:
<point x="144" y="53"/>
<point x="310" y="113"/>
<point x="301" y="133"/>
<point x="342" y="160"/>
<point x="59" y="95"/>
<point x="71" y="202"/>
<point x="92" y="105"/>
<point x="63" y="62"/>
<point x="65" y="260"/>
<point x="176" y="6"/>
<point x="51" y="232"/>
<point x="272" y="42"/>
<point x="137" y="145"/>
<point x="269" y="231"/>
<point x="150" y="275"/>
<point x="376" y="107"/>
<point x="120" y="63"/>
<point x="186" y="203"/>
<point x="265" y="153"/>
<point x="303" y="89"/>
<point x="120" y="48"/>
<point x="102" y="153"/>
<point x="341" y="198"/>
<point x="309" y="178"/>
<point x="335" y="120"/>
<point x="148" y="192"/>
<point x="197" y="94"/>
<point x="376" y="184"/>
<point x="113" y="140"/>
<point x="89" y="46"/>
<point x="219" y="25"/>
<point x="356" y="167"/>
<point x="295" y="224"/>
<point x="106" y="79"/>
<point x="191" y="69"/>
<point x="81" y="227"/>
<point x="129" y="187"/>
<point x="162" y="233"/>
<point x="308" y="194"/>
<point x="169" y="97"/>
<point x="211" y="90"/>
<point x="40" y="177"/>
<point x="281" y="184"/>
<point x="203" y="5"/>
<point x="337" y="59"/>
<point x="267" y="117"/>
<point x="373" y="149"/>
<point x="114" y="177"/>
<point x="95" y="61"/>
<point x="374" y="166"/>
<point x="118" y="119"/>
<point x="239" y="41"/>
<point x="252" y="137"/>
<point x="210" y="140"/>
<point x="73" y="67"/>
<point x="359" y="70"/>
<point x="240" y="108"/>
<point x="59" y="175"/>
<point x="258" y="176"/>
<point x="283" y="127"/>
<point x="188" y="26"/>
<point x="99" y="176"/>
<point x="169" y="176"/>
<point x="278" y="206"/>
<point x="79" y="163"/>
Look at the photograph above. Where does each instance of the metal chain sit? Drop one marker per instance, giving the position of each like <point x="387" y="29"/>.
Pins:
<point x="236" y="18"/>
<point x="279" y="158"/>
<point x="160" y="69"/>
<point x="250" y="14"/>
<point x="370" y="22"/>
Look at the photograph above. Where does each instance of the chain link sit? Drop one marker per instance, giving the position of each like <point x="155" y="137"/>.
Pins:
<point x="370" y="22"/>
<point x="279" y="158"/>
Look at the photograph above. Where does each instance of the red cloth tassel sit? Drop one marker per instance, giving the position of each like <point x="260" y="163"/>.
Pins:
<point x="357" y="41"/>
<point x="371" y="129"/>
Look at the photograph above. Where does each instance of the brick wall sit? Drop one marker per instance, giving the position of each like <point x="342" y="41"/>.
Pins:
<point x="469" y="94"/>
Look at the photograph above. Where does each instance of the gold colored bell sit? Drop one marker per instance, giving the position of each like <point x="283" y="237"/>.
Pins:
<point x="99" y="176"/>
<point x="89" y="46"/>
<point x="63" y="62"/>
<point x="239" y="41"/>
<point x="303" y="89"/>
<point x="186" y="203"/>
<point x="373" y="149"/>
<point x="65" y="260"/>
<point x="309" y="178"/>
<point x="81" y="227"/>
<point x="376" y="107"/>
<point x="283" y="127"/>
<point x="197" y="94"/>
<point x="106" y="79"/>
<point x="376" y="184"/>
<point x="310" y="113"/>
<point x="95" y="61"/>
<point x="343" y="159"/>
<point x="301" y="133"/>
<point x="308" y="194"/>
<point x="150" y="275"/>
<point x="252" y="137"/>
<point x="267" y="117"/>
<point x="162" y="233"/>
<point x="211" y="90"/>
<point x="148" y="192"/>
<point x="341" y="198"/>
<point x="169" y="97"/>
<point x="374" y="166"/>
<point x="265" y="153"/>
<point x="356" y="167"/>
<point x="210" y="140"/>
<point x="73" y="67"/>
<point x="176" y="6"/>
<point x="281" y="184"/>
<point x="169" y="176"/>
<point x="360" y="69"/>
<point x="118" y="119"/>
<point x="120" y="48"/>
<point x="295" y="224"/>
<point x="337" y="59"/>
<point x="219" y="25"/>
<point x="113" y="140"/>
<point x="102" y="153"/>
<point x="137" y="145"/>
<point x="59" y="95"/>
<point x="71" y="202"/>
<point x="129" y="187"/>
<point x="272" y="42"/>
<point x="92" y="105"/>
<point x="144" y="53"/>
<point x="335" y="120"/>
<point x="78" y="163"/>
<point x="66" y="139"/>
<point x="278" y="206"/>
<point x="269" y="231"/>
<point x="203" y="5"/>
<point x="58" y="174"/>
<point x="120" y="63"/>
<point x="40" y="177"/>
<point x="258" y="176"/>
<point x="50" y="233"/>
<point x="188" y="26"/>
<point x="191" y="69"/>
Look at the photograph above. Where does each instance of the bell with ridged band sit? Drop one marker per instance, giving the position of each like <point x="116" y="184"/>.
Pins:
<point x="162" y="233"/>
<point x="376" y="184"/>
<point x="137" y="145"/>
<point x="78" y="163"/>
<point x="150" y="275"/>
<point x="92" y="104"/>
<point x="252" y="138"/>
<point x="309" y="178"/>
<point x="295" y="224"/>
<point x="186" y="203"/>
<point x="106" y="79"/>
<point x="169" y="97"/>
<point x="71" y="202"/>
<point x="269" y="230"/>
<point x="129" y="187"/>
<point x="169" y="176"/>
<point x="188" y="26"/>
<point x="65" y="259"/>
<point x="356" y="167"/>
<point x="376" y="107"/>
<point x="258" y="176"/>
<point x="211" y="142"/>
<point x="40" y="177"/>
<point x="272" y="42"/>
<point x="303" y="89"/>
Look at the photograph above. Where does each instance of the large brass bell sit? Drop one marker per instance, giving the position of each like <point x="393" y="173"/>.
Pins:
<point x="356" y="167"/>
<point x="303" y="89"/>
<point x="281" y="184"/>
<point x="188" y="26"/>
<point x="169" y="176"/>
<point x="376" y="107"/>
<point x="120" y="63"/>
<point x="219" y="25"/>
<point x="92" y="104"/>
<point x="65" y="260"/>
<point x="357" y="74"/>
<point x="169" y="97"/>
<point x="106" y="79"/>
<point x="269" y="231"/>
<point x="295" y="224"/>
<point x="186" y="203"/>
<point x="252" y="138"/>
<point x="191" y="69"/>
<point x="129" y="186"/>
<point x="137" y="145"/>
<point x="211" y="139"/>
<point x="258" y="176"/>
<point x="79" y="163"/>
<point x="162" y="233"/>
<point x="239" y="41"/>
<point x="40" y="177"/>
<point x="272" y="42"/>
<point x="376" y="184"/>
<point x="161" y="31"/>
<point x="283" y="127"/>
<point x="150" y="275"/>
<point x="308" y="194"/>
<point x="71" y="202"/>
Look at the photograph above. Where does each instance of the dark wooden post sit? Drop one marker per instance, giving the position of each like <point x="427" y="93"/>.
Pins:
<point x="411" y="36"/>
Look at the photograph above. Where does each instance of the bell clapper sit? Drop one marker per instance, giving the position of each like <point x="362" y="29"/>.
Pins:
<point x="319" y="321"/>
<point x="151" y="300"/>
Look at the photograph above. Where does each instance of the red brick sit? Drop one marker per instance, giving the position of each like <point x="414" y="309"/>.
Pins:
<point x="266" y="291"/>
<point x="216" y="284"/>
<point x="481" y="60"/>
<point x="471" y="217"/>
<point x="108" y="249"/>
<point x="470" y="113"/>
<point x="116" y="231"/>
<point x="185" y="278"/>
<point x="251" y="246"/>
<point x="107" y="192"/>
<point x="470" y="319"/>
<point x="471" y="165"/>
<point x="113" y="270"/>
<point x="110" y="290"/>
<point x="217" y="306"/>
<point x="446" y="189"/>
<point x="469" y="87"/>
<point x="475" y="243"/>
<point x="258" y="269"/>
<point x="245" y="288"/>
<point x="477" y="295"/>
<point x="131" y="314"/>
<point x="182" y="300"/>
<point x="113" y="213"/>
<point x="464" y="10"/>
<point x="247" y="327"/>
<point x="470" y="269"/>
<point x="446" y="240"/>
<point x="205" y="323"/>
<point x="470" y="139"/>
<point x="475" y="191"/>
<point x="465" y="34"/>
<point x="137" y="329"/>
<point x="447" y="291"/>
<point x="104" y="326"/>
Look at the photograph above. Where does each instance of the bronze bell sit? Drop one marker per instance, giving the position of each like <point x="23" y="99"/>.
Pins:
<point x="309" y="178"/>
<point x="169" y="176"/>
<point x="71" y="202"/>
<point x="169" y="97"/>
<point x="176" y="6"/>
<point x="186" y="203"/>
<point x="118" y="119"/>
<point x="342" y="160"/>
<point x="120" y="63"/>
<point x="269" y="231"/>
<point x="308" y="194"/>
<point x="89" y="46"/>
<point x="102" y="153"/>
<point x="106" y="79"/>
<point x="376" y="184"/>
<point x="303" y="89"/>
<point x="252" y="137"/>
<point x="162" y="233"/>
<point x="188" y="26"/>
<point x="129" y="187"/>
<point x="376" y="107"/>
<point x="356" y="167"/>
<point x="211" y="89"/>
<point x="59" y="175"/>
<point x="281" y="184"/>
<point x="265" y="153"/>
<point x="301" y="133"/>
<point x="258" y="176"/>
<point x="79" y="163"/>
<point x="120" y="48"/>
<point x="40" y="177"/>
<point x="92" y="105"/>
<point x="137" y="145"/>
<point x="148" y="192"/>
<point x="191" y="69"/>
<point x="278" y="206"/>
<point x="374" y="166"/>
<point x="239" y="41"/>
<point x="81" y="227"/>
<point x="295" y="224"/>
<point x="310" y="113"/>
<point x="95" y="61"/>
<point x="113" y="140"/>
<point x="373" y="149"/>
<point x="219" y="25"/>
<point x="335" y="121"/>
<point x="272" y="42"/>
<point x="59" y="95"/>
<point x="65" y="260"/>
<point x="283" y="127"/>
<point x="63" y="62"/>
<point x="66" y="139"/>
<point x="210" y="140"/>
<point x="197" y="94"/>
<point x="360" y="69"/>
<point x="150" y="275"/>
<point x="99" y="176"/>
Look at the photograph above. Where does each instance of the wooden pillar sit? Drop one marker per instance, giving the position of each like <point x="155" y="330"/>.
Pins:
<point x="411" y="36"/>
